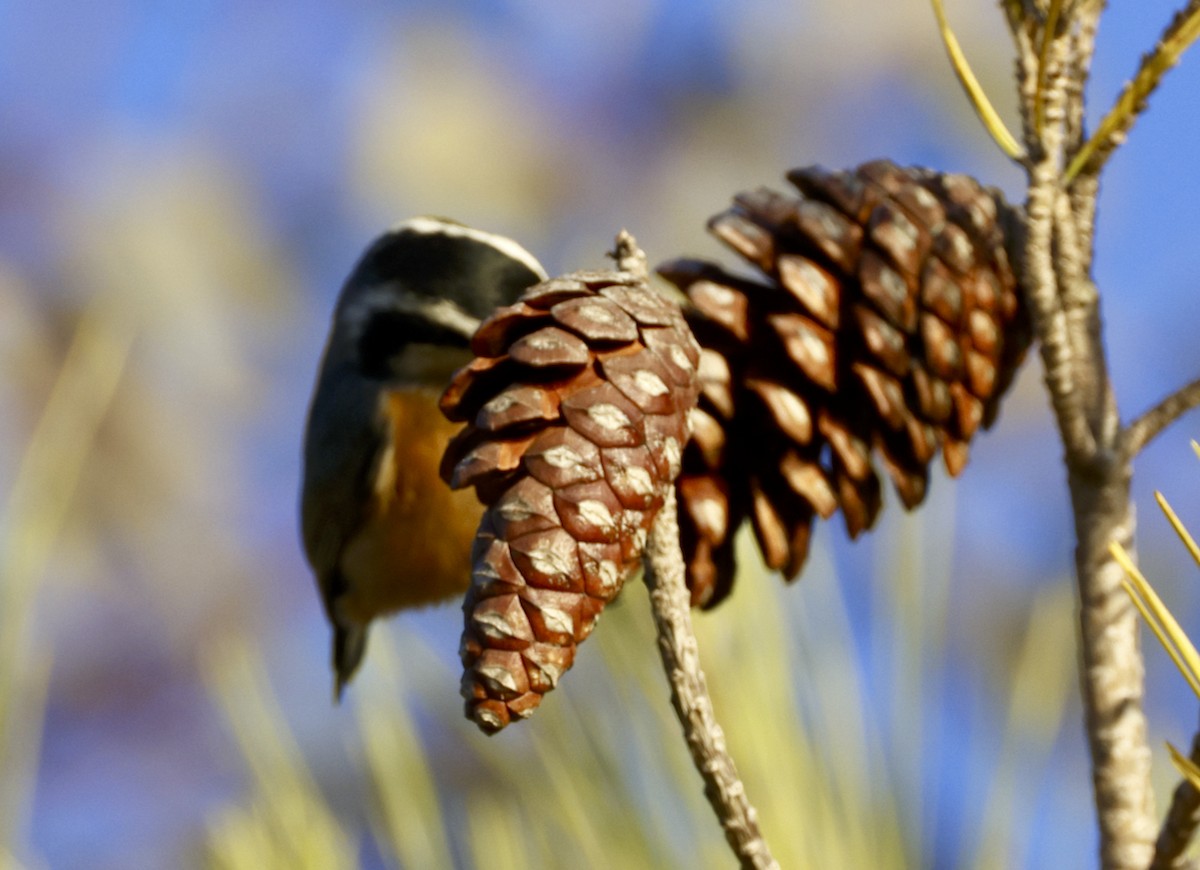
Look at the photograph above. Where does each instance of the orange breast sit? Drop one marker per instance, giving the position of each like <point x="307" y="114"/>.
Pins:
<point x="415" y="548"/>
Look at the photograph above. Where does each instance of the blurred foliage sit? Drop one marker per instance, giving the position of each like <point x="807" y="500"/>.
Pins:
<point x="600" y="778"/>
<point x="31" y="523"/>
<point x="287" y="823"/>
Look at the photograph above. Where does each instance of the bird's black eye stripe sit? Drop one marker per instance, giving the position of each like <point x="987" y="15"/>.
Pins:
<point x="387" y="333"/>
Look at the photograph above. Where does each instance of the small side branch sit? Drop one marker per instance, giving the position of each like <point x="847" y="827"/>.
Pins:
<point x="1180" y="33"/>
<point x="1179" y="827"/>
<point x="670" y="602"/>
<point x="1145" y="428"/>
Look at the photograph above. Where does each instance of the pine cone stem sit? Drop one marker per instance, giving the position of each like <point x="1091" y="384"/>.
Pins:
<point x="630" y="258"/>
<point x="671" y="604"/>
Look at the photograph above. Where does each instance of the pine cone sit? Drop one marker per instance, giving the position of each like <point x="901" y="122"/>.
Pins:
<point x="888" y="320"/>
<point x="577" y="404"/>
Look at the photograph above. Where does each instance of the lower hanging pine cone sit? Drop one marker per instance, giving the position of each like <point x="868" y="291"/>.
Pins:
<point x="577" y="409"/>
<point x="885" y="321"/>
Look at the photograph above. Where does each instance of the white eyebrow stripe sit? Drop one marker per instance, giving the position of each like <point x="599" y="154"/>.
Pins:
<point x="384" y="297"/>
<point x="430" y="226"/>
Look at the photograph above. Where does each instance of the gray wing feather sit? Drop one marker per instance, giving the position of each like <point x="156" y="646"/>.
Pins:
<point x="342" y="446"/>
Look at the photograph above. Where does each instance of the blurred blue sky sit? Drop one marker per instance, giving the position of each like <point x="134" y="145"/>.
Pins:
<point x="315" y="124"/>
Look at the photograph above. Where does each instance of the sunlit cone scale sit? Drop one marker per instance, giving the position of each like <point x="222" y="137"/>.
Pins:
<point x="577" y="414"/>
<point x="884" y="322"/>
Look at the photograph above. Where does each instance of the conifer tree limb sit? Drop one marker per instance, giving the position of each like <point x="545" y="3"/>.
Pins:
<point x="1054" y="255"/>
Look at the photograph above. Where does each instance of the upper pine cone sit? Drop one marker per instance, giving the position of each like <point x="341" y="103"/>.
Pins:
<point x="886" y="317"/>
<point x="577" y="408"/>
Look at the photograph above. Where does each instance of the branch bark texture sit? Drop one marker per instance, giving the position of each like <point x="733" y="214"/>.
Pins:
<point x="671" y="604"/>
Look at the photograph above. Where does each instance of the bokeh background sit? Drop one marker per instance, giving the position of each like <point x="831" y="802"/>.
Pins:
<point x="183" y="185"/>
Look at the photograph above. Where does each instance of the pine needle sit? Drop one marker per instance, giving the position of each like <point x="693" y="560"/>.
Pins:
<point x="1177" y="524"/>
<point x="1186" y="766"/>
<point x="979" y="100"/>
<point x="1174" y="640"/>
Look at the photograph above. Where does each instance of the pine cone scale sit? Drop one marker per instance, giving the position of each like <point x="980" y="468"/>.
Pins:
<point x="887" y="289"/>
<point x="894" y="233"/>
<point x="560" y="457"/>
<point x="829" y="233"/>
<point x="884" y="341"/>
<point x="548" y="559"/>
<point x="788" y="411"/>
<point x="813" y="287"/>
<point x="744" y="236"/>
<point x="809" y="345"/>
<point x="550" y="347"/>
<point x="604" y="416"/>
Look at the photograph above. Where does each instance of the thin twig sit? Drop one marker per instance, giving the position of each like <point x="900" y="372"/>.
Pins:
<point x="1178" y="36"/>
<point x="1024" y="40"/>
<point x="1085" y="21"/>
<point x="1145" y="428"/>
<point x="975" y="93"/>
<point x="1183" y="818"/>
<point x="671" y="604"/>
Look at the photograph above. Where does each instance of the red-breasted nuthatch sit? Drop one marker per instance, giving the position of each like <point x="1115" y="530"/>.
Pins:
<point x="381" y="529"/>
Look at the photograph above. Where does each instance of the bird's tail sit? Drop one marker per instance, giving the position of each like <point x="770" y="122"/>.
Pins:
<point x="349" y="647"/>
